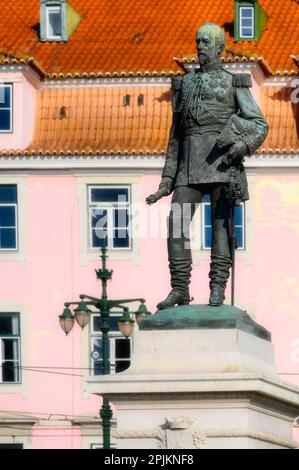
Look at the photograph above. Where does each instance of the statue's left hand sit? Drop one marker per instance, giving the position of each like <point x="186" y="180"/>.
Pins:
<point x="237" y="151"/>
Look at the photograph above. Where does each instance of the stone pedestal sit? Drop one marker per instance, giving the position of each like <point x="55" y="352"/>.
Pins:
<point x="201" y="377"/>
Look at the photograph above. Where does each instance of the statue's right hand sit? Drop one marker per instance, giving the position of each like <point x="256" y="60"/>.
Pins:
<point x="165" y="188"/>
<point x="151" y="199"/>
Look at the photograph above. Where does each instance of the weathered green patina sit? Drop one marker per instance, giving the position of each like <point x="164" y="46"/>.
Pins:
<point x="203" y="317"/>
<point x="216" y="123"/>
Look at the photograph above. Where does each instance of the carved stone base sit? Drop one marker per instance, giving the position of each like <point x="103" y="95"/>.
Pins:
<point x="210" y="385"/>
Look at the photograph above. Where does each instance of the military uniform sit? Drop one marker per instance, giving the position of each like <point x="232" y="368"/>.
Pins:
<point x="203" y="103"/>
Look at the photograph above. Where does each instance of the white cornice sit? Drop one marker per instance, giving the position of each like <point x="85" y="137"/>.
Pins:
<point x="226" y="65"/>
<point x="24" y="69"/>
<point x="282" y="81"/>
<point x="270" y="160"/>
<point x="128" y="162"/>
<point x="106" y="82"/>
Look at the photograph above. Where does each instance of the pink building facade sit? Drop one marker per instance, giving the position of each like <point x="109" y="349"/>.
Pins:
<point x="49" y="252"/>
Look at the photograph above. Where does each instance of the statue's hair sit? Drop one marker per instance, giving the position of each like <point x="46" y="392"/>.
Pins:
<point x="218" y="31"/>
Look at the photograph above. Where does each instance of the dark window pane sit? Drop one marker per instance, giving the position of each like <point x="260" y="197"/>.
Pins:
<point x="109" y="194"/>
<point x="98" y="346"/>
<point x="247" y="12"/>
<point x="238" y="215"/>
<point x="98" y="364"/>
<point x="247" y="32"/>
<point x="120" y="366"/>
<point x="5" y="96"/>
<point x="239" y="235"/>
<point x="113" y="322"/>
<point x="98" y="368"/>
<point x="207" y="214"/>
<point x="10" y="372"/>
<point x="208" y="237"/>
<point x="7" y="216"/>
<point x="55" y="28"/>
<point x="5" y="120"/>
<point x="96" y="323"/>
<point x="99" y="218"/>
<point x="247" y="22"/>
<point x="99" y="238"/>
<point x="121" y="238"/>
<point x="121" y="217"/>
<point x="9" y="324"/>
<point x="8" y="238"/>
<point x="122" y="348"/>
<point x="10" y="349"/>
<point x="8" y="193"/>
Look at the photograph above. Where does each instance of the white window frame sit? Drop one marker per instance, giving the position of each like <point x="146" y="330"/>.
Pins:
<point x="15" y="205"/>
<point x="241" y="27"/>
<point x="109" y="207"/>
<point x="243" y="247"/>
<point x="204" y="225"/>
<point x="10" y="337"/>
<point x="55" y="9"/>
<point x="10" y="130"/>
<point x="113" y="335"/>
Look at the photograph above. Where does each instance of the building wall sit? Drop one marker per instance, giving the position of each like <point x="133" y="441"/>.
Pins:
<point x="53" y="271"/>
<point x="53" y="265"/>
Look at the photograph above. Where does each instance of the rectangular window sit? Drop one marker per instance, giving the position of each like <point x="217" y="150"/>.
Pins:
<point x="54" y="22"/>
<point x="9" y="347"/>
<point x="5" y="107"/>
<point x="119" y="347"/>
<point x="207" y="224"/>
<point x="246" y="22"/>
<point x="109" y="217"/>
<point x="8" y="217"/>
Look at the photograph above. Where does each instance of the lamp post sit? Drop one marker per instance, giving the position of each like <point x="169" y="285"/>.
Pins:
<point x="104" y="306"/>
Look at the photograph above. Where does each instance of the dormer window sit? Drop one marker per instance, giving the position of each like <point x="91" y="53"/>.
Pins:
<point x="246" y="23"/>
<point x="250" y="20"/>
<point x="54" y="22"/>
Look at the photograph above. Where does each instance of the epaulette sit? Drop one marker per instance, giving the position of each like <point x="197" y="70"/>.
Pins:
<point x="242" y="80"/>
<point x="176" y="83"/>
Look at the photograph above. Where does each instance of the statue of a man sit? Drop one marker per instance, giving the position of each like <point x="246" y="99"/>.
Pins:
<point x="216" y="123"/>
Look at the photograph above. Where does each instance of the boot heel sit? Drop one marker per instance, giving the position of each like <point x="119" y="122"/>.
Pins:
<point x="184" y="302"/>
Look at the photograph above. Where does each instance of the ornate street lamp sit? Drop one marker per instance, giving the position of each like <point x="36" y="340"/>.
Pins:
<point x="104" y="306"/>
<point x="66" y="320"/>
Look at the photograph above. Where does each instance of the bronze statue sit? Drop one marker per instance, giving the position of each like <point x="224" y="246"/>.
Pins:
<point x="216" y="123"/>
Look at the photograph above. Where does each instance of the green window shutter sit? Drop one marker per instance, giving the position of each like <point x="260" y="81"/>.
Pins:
<point x="260" y="19"/>
<point x="73" y="19"/>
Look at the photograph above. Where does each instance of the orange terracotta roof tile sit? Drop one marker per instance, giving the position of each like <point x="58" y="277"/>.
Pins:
<point x="95" y="121"/>
<point x="143" y="36"/>
<point x="283" y="117"/>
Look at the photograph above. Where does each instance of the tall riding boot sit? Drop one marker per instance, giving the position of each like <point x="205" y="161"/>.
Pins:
<point x="219" y="274"/>
<point x="180" y="273"/>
